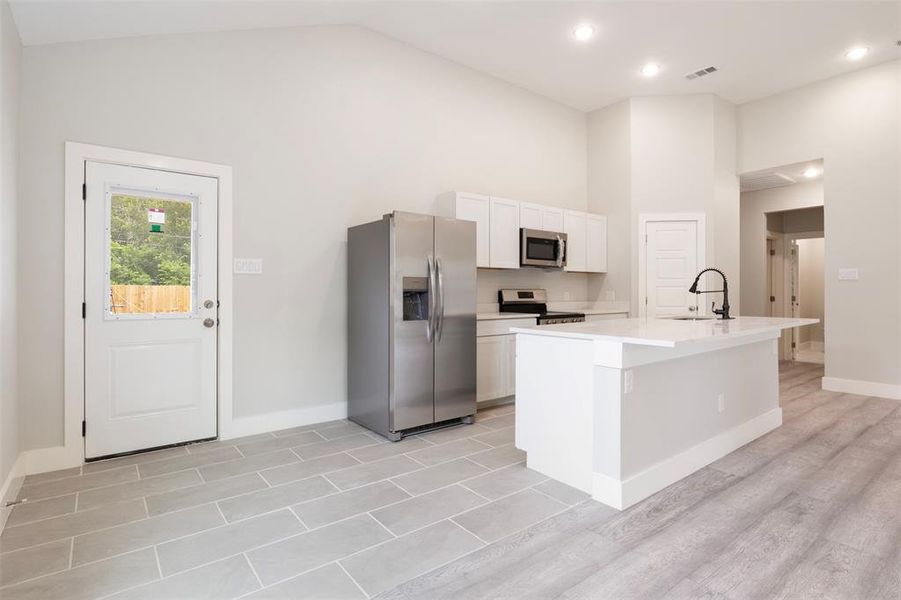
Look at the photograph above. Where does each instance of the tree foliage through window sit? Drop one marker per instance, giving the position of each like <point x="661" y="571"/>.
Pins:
<point x="139" y="257"/>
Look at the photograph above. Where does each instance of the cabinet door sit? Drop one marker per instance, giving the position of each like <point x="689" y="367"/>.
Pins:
<point x="510" y="388"/>
<point x="530" y="215"/>
<point x="491" y="367"/>
<point x="473" y="207"/>
<point x="504" y="234"/>
<point x="597" y="244"/>
<point x="551" y="219"/>
<point x="575" y="226"/>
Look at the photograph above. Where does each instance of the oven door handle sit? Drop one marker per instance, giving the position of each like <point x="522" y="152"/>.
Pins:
<point x="561" y="251"/>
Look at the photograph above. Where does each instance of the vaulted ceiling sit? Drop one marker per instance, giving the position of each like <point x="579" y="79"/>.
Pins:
<point x="759" y="47"/>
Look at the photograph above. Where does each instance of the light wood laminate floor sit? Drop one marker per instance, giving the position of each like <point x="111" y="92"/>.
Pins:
<point x="811" y="510"/>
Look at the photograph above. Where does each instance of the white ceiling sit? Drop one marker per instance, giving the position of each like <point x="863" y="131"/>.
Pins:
<point x="760" y="47"/>
<point x="780" y="176"/>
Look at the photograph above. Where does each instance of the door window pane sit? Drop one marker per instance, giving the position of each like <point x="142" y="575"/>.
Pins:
<point x="150" y="255"/>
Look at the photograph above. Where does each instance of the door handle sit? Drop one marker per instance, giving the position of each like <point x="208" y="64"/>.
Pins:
<point x="209" y="322"/>
<point x="430" y="325"/>
<point x="440" y="315"/>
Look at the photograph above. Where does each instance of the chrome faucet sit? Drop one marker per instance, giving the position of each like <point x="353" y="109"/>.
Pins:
<point x="723" y="312"/>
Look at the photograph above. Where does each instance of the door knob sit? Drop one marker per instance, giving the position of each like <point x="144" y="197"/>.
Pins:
<point x="209" y="322"/>
<point x="209" y="304"/>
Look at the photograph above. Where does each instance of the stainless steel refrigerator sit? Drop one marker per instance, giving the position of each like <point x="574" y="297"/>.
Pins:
<point x="411" y="323"/>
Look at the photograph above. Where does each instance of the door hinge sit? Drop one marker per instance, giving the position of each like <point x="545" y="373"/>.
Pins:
<point x="793" y="344"/>
<point x="794" y="299"/>
<point x="84" y="310"/>
<point x="84" y="428"/>
<point x="772" y="252"/>
<point x="645" y="300"/>
<point x="772" y="298"/>
<point x="84" y="191"/>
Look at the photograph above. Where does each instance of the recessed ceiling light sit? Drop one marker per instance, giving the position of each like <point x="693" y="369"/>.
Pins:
<point x="811" y="172"/>
<point x="583" y="32"/>
<point x="857" y="52"/>
<point x="650" y="70"/>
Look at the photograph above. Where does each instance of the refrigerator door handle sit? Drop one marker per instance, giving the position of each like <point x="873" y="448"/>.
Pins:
<point x="430" y="325"/>
<point x="440" y="315"/>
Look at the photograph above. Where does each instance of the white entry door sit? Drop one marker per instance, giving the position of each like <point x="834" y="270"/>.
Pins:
<point x="150" y="308"/>
<point x="671" y="257"/>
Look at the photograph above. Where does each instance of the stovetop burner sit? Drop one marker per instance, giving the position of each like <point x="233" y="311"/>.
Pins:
<point x="535" y="301"/>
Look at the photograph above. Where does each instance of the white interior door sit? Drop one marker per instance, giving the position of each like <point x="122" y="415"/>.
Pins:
<point x="150" y="308"/>
<point x="671" y="257"/>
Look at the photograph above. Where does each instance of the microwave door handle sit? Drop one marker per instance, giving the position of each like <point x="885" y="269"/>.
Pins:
<point x="429" y="329"/>
<point x="440" y="315"/>
<point x="561" y="251"/>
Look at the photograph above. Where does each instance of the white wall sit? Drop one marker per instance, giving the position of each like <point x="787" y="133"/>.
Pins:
<point x="609" y="193"/>
<point x="561" y="286"/>
<point x="325" y="128"/>
<point x="10" y="49"/>
<point x="679" y="154"/>
<point x="754" y="208"/>
<point x="810" y="280"/>
<point x="852" y="122"/>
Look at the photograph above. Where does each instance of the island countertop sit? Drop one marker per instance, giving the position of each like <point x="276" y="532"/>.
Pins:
<point x="667" y="333"/>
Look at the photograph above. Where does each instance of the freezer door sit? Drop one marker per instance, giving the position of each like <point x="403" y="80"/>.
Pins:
<point x="412" y="302"/>
<point x="455" y="331"/>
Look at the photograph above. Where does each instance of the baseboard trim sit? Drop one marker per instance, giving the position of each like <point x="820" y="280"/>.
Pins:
<point x="623" y="494"/>
<point x="242" y="426"/>
<point x="11" y="486"/>
<point x="862" y="388"/>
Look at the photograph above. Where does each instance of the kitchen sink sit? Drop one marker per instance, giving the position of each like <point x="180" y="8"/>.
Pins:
<point x="693" y="318"/>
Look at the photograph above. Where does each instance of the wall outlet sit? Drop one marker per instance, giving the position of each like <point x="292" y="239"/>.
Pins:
<point x="721" y="402"/>
<point x="610" y="296"/>
<point x="628" y="381"/>
<point x="848" y="275"/>
<point x="249" y="266"/>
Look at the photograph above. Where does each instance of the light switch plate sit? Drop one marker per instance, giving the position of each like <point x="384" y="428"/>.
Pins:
<point x="249" y="266"/>
<point x="628" y="381"/>
<point x="848" y="275"/>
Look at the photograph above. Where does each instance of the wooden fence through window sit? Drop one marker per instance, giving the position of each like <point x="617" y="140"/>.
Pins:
<point x="150" y="298"/>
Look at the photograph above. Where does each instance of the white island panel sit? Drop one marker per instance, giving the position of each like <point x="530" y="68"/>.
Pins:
<point x="621" y="419"/>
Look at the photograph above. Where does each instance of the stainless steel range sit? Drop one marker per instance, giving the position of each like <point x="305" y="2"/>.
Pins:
<point x="534" y="301"/>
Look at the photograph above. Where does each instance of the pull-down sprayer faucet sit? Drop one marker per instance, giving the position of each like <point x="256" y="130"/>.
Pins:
<point x="723" y="312"/>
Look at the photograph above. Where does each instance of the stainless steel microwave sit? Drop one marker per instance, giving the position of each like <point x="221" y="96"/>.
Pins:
<point x="542" y="248"/>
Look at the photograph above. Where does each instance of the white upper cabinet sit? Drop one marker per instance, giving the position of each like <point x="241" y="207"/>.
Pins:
<point x="498" y="221"/>
<point x="575" y="226"/>
<point x="597" y="244"/>
<point x="536" y="216"/>
<point x="472" y="207"/>
<point x="504" y="234"/>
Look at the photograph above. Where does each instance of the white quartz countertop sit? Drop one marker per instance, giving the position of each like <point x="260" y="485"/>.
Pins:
<point x="497" y="316"/>
<point x="663" y="332"/>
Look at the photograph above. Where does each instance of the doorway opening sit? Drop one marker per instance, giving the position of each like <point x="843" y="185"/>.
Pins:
<point x="783" y="246"/>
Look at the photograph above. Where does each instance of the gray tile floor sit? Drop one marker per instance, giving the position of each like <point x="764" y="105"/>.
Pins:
<point x="324" y="511"/>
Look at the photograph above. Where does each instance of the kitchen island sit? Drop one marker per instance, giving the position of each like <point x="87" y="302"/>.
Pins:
<point x="622" y="408"/>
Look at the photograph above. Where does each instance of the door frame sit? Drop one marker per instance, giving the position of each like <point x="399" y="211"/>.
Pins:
<point x="72" y="452"/>
<point x="788" y="239"/>
<point x="643" y="220"/>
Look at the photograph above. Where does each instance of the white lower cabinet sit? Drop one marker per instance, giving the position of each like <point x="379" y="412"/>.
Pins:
<point x="494" y="368"/>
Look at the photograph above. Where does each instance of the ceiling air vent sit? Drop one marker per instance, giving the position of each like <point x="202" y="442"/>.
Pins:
<point x="700" y="73"/>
